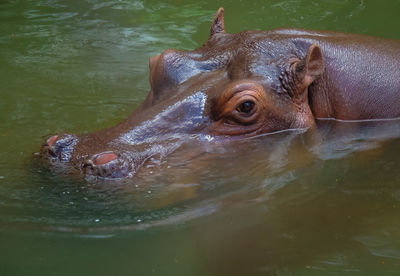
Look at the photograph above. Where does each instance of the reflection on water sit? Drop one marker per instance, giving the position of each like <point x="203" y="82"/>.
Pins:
<point x="314" y="202"/>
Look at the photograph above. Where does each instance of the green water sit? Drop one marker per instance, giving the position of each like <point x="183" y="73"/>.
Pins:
<point x="294" y="204"/>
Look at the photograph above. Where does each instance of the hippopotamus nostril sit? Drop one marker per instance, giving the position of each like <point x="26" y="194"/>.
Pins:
<point x="107" y="164"/>
<point x="59" y="147"/>
<point x="51" y="141"/>
<point x="104" y="158"/>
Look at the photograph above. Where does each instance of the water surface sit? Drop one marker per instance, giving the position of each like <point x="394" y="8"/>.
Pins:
<point x="322" y="202"/>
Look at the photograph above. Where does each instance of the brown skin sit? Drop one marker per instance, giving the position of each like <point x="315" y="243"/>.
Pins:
<point x="239" y="85"/>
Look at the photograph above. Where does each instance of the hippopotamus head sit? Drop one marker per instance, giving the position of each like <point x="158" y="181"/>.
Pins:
<point x="235" y="85"/>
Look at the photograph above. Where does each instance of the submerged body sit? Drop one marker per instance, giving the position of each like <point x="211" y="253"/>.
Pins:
<point x="241" y="85"/>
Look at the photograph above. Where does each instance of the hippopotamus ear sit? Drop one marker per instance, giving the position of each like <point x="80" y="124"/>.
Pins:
<point x="310" y="67"/>
<point x="218" y="25"/>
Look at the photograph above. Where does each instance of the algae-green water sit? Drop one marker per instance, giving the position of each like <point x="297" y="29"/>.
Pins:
<point x="323" y="202"/>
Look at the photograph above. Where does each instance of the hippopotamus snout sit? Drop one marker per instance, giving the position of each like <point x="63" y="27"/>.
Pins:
<point x="67" y="150"/>
<point x="58" y="150"/>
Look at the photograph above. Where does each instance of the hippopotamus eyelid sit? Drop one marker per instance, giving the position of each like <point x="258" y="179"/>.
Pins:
<point x="232" y="90"/>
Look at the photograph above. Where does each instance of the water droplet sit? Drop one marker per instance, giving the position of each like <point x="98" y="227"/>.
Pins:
<point x="209" y="138"/>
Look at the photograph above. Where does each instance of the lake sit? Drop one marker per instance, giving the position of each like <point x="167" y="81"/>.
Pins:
<point x="316" y="202"/>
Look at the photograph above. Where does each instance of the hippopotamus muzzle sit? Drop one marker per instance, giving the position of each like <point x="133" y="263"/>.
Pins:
<point x="126" y="152"/>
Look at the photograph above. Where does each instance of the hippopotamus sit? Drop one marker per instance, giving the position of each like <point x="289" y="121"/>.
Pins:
<point x="241" y="85"/>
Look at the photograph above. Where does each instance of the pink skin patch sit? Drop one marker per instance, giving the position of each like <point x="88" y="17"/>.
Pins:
<point x="50" y="142"/>
<point x="104" y="158"/>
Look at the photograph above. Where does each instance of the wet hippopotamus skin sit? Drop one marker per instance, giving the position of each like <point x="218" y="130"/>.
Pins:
<point x="241" y="85"/>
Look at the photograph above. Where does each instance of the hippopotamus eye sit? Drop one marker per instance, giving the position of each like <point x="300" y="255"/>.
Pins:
<point x="247" y="107"/>
<point x="244" y="107"/>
